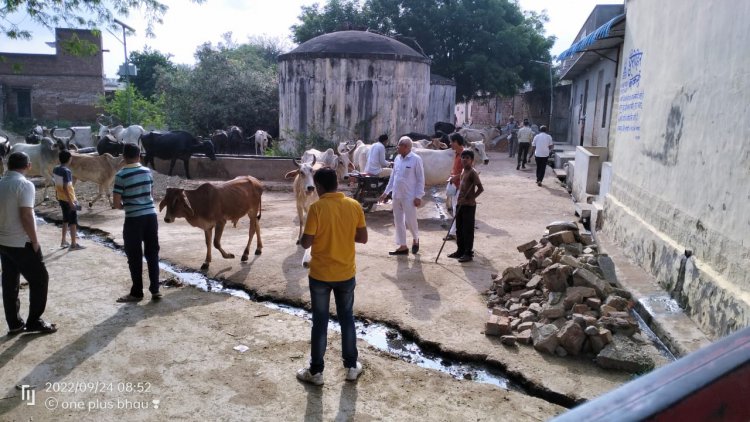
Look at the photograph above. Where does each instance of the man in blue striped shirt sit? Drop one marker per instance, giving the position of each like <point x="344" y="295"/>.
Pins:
<point x="132" y="192"/>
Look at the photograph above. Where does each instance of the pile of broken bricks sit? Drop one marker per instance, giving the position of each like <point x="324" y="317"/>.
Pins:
<point x="560" y="302"/>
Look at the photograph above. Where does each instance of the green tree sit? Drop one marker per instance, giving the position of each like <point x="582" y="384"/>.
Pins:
<point x="150" y="64"/>
<point x="142" y="111"/>
<point x="76" y="13"/>
<point x="486" y="46"/>
<point x="230" y="84"/>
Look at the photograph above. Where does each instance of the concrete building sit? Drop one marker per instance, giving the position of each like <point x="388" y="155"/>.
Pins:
<point x="442" y="101"/>
<point x="60" y="86"/>
<point x="591" y="65"/>
<point x="677" y="187"/>
<point x="352" y="85"/>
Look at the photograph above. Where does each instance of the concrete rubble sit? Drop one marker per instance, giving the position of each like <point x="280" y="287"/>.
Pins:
<point x="562" y="302"/>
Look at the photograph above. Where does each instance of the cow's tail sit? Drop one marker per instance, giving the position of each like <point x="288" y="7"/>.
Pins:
<point x="260" y="203"/>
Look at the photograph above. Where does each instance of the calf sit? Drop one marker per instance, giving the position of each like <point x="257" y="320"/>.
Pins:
<point x="100" y="169"/>
<point x="210" y="206"/>
<point x="109" y="145"/>
<point x="175" y="145"/>
<point x="261" y="141"/>
<point x="234" y="135"/>
<point x="220" y="141"/>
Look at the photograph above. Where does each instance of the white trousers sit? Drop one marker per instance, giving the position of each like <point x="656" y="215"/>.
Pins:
<point x="405" y="216"/>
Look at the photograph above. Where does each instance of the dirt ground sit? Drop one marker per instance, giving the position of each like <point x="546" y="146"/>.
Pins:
<point x="183" y="345"/>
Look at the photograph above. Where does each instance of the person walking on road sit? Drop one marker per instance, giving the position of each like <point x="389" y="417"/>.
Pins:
<point x="512" y="128"/>
<point x="407" y="185"/>
<point x="457" y="145"/>
<point x="334" y="224"/>
<point x="20" y="252"/>
<point x="140" y="232"/>
<point x="470" y="188"/>
<point x="525" y="136"/>
<point x="66" y="197"/>
<point x="540" y="149"/>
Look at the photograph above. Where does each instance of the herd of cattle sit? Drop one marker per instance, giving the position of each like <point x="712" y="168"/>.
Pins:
<point x="235" y="198"/>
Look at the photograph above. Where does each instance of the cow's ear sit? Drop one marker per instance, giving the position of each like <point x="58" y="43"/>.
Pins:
<point x="188" y="207"/>
<point x="292" y="174"/>
<point x="162" y="204"/>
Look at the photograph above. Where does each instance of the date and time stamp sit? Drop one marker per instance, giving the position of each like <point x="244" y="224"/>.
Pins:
<point x="91" y="396"/>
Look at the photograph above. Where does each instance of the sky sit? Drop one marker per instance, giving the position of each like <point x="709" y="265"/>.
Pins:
<point x="188" y="25"/>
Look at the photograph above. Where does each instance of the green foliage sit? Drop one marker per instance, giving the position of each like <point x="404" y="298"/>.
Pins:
<point x="142" y="111"/>
<point x="231" y="84"/>
<point x="486" y="46"/>
<point x="75" y="46"/>
<point x="150" y="64"/>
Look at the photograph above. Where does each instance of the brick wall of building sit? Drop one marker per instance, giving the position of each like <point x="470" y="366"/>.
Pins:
<point x="62" y="86"/>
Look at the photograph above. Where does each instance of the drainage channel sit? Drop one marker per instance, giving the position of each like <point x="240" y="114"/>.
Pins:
<point x="380" y="336"/>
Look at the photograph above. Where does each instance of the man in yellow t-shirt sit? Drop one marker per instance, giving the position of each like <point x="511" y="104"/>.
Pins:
<point x="334" y="224"/>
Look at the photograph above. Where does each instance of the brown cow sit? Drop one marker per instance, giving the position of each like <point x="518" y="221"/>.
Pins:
<point x="212" y="205"/>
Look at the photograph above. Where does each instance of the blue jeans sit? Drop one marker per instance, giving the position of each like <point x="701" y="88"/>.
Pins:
<point x="320" y="297"/>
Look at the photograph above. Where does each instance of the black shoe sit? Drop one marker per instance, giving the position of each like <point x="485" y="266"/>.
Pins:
<point x="399" y="252"/>
<point x="19" y="330"/>
<point x="41" y="327"/>
<point x="518" y="167"/>
<point x="539" y="183"/>
<point x="415" y="248"/>
<point x="466" y="258"/>
<point x="455" y="255"/>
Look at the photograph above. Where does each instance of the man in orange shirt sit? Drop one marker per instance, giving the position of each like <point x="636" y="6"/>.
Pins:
<point x="457" y="145"/>
<point x="334" y="224"/>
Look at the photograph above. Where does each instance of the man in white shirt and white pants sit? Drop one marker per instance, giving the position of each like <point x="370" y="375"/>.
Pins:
<point x="407" y="185"/>
<point x="540" y="149"/>
<point x="377" y="165"/>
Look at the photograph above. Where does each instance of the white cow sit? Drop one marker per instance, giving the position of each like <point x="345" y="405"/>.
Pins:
<point x="261" y="141"/>
<point x="360" y="155"/>
<point x="328" y="158"/>
<point x="345" y="150"/>
<point x="438" y="163"/>
<point x="43" y="157"/>
<point x="131" y="134"/>
<point x="100" y="169"/>
<point x="479" y="135"/>
<point x="304" y="194"/>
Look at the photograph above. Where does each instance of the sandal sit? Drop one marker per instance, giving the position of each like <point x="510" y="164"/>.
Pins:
<point x="156" y="296"/>
<point x="76" y="247"/>
<point x="128" y="299"/>
<point x="64" y="245"/>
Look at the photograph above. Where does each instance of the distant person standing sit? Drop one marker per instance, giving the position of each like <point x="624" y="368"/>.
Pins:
<point x="20" y="252"/>
<point x="470" y="188"/>
<point x="525" y="136"/>
<point x="407" y="185"/>
<point x="334" y="224"/>
<point x="540" y="149"/>
<point x="512" y="129"/>
<point x="457" y="145"/>
<point x="66" y="197"/>
<point x="377" y="165"/>
<point x="140" y="232"/>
